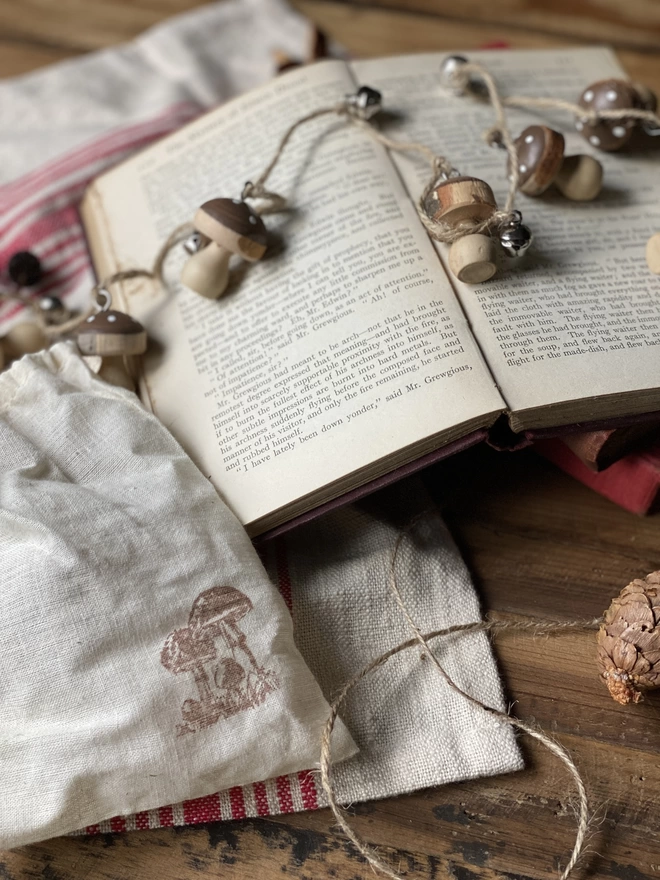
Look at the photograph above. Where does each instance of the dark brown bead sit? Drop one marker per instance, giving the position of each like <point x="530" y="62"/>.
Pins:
<point x="608" y="94"/>
<point x="25" y="269"/>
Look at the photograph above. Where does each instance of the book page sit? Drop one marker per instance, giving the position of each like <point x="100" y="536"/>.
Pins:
<point x="343" y="352"/>
<point x="571" y="331"/>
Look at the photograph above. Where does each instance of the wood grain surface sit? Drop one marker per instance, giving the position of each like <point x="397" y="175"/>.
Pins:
<point x="537" y="543"/>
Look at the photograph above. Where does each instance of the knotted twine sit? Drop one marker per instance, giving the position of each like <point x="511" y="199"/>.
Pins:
<point x="536" y="627"/>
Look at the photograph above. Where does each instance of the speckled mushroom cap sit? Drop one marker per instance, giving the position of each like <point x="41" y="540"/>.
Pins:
<point x="111" y="333"/>
<point x="232" y="224"/>
<point x="608" y="94"/>
<point x="540" y="154"/>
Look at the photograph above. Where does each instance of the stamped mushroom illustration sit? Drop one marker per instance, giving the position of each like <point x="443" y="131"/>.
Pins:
<point x="542" y="163"/>
<point x="216" y="613"/>
<point x="231" y="227"/>
<point x="226" y="684"/>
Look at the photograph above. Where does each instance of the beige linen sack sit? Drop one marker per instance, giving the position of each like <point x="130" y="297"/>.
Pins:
<point x="145" y="658"/>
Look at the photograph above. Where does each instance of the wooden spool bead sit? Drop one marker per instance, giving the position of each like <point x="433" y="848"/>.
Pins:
<point x="460" y="200"/>
<point x="542" y="163"/>
<point x="653" y="253"/>
<point x="609" y="94"/>
<point x="473" y="258"/>
<point x="110" y="333"/>
<point x="27" y="337"/>
<point x="233" y="228"/>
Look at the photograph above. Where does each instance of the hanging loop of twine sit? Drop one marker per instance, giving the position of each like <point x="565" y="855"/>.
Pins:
<point x="536" y="627"/>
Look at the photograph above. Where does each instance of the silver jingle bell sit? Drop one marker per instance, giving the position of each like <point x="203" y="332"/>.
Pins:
<point x="516" y="239"/>
<point x="194" y="243"/>
<point x="365" y="103"/>
<point x="651" y="128"/>
<point x="450" y="74"/>
<point x="53" y="309"/>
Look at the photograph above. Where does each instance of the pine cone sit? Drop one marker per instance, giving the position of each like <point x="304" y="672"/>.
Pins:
<point x="629" y="641"/>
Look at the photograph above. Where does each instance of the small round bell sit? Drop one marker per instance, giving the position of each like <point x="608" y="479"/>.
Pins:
<point x="195" y="242"/>
<point x="450" y="74"/>
<point x="516" y="238"/>
<point x="53" y="309"/>
<point x="366" y="102"/>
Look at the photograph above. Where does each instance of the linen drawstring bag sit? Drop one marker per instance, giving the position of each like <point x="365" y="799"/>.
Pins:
<point x="145" y="657"/>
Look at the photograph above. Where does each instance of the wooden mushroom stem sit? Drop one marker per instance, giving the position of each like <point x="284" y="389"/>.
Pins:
<point x="473" y="258"/>
<point x="207" y="271"/>
<point x="580" y="178"/>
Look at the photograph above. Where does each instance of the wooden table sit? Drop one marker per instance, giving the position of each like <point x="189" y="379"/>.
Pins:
<point x="537" y="543"/>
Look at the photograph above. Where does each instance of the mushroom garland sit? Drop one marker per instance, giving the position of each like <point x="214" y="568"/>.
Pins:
<point x="459" y="201"/>
<point x="542" y="163"/>
<point x="224" y="227"/>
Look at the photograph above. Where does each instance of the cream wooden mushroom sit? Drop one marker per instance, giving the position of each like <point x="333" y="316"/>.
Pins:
<point x="233" y="228"/>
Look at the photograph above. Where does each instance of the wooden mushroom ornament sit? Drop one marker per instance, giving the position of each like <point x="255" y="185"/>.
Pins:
<point x="612" y="94"/>
<point x="466" y="200"/>
<point x="542" y="163"/>
<point x="109" y="333"/>
<point x="232" y="227"/>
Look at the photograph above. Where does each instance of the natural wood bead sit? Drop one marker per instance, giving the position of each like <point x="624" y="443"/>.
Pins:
<point x="473" y="258"/>
<point x="115" y="371"/>
<point x="461" y="200"/>
<point x="24" y="338"/>
<point x="207" y="271"/>
<point x="653" y="253"/>
<point x="111" y="333"/>
<point x="580" y="178"/>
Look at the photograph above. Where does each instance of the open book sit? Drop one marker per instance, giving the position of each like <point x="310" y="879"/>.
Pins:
<point x="350" y="351"/>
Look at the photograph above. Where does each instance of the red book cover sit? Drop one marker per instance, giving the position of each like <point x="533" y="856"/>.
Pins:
<point x="633" y="482"/>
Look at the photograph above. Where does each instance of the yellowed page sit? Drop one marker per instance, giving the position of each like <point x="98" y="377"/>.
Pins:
<point x="344" y="348"/>
<point x="576" y="322"/>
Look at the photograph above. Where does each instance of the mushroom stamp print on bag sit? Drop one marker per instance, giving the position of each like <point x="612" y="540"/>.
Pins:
<point x="215" y="651"/>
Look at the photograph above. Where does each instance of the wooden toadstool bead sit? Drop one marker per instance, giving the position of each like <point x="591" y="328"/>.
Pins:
<point x="24" y="338"/>
<point x="608" y="94"/>
<point x="110" y="333"/>
<point x="461" y="200"/>
<point x="473" y="258"/>
<point x="542" y="163"/>
<point x="233" y="228"/>
<point x="653" y="253"/>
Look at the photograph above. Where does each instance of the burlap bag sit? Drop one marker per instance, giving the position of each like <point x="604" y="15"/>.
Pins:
<point x="146" y="658"/>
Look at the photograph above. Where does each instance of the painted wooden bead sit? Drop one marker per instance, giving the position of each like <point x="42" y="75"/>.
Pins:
<point x="541" y="163"/>
<point x="111" y="333"/>
<point x="473" y="258"/>
<point x="608" y="94"/>
<point x="25" y="269"/>
<point x="233" y="228"/>
<point x="461" y="200"/>
<point x="653" y="253"/>
<point x="24" y="338"/>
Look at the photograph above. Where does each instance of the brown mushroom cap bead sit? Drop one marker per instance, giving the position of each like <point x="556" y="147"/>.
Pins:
<point x="540" y="152"/>
<point x="111" y="333"/>
<point x="232" y="224"/>
<point x="608" y="94"/>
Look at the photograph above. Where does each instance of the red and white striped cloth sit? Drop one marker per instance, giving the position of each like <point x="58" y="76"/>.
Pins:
<point x="39" y="212"/>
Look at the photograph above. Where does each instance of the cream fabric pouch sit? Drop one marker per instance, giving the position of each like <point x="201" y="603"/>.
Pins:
<point x="145" y="657"/>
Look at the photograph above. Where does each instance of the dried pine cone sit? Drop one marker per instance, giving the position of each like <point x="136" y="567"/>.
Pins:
<point x="629" y="641"/>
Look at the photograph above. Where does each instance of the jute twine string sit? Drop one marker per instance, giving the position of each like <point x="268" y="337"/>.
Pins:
<point x="272" y="202"/>
<point x="536" y="627"/>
